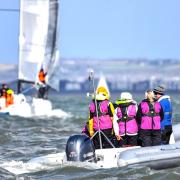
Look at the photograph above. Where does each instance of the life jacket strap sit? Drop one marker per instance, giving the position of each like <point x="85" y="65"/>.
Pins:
<point x="125" y="119"/>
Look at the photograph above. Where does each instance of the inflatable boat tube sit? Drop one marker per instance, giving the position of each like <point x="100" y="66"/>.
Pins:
<point x="156" y="157"/>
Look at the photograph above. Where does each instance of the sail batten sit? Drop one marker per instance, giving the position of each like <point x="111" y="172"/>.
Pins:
<point x="38" y="40"/>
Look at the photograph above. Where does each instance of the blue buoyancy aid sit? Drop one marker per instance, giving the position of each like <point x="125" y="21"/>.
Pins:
<point x="166" y="104"/>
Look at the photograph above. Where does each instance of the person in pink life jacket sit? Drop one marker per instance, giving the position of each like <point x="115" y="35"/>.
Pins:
<point x="124" y="121"/>
<point x="105" y="110"/>
<point x="149" y="117"/>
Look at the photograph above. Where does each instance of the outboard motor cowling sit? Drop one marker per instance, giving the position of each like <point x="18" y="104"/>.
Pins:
<point x="80" y="148"/>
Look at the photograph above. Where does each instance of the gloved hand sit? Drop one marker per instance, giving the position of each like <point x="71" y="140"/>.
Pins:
<point x="91" y="133"/>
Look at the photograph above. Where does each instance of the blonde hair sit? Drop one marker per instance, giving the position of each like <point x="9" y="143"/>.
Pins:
<point x="149" y="94"/>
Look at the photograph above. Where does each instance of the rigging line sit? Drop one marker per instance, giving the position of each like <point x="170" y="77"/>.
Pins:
<point x="54" y="43"/>
<point x="9" y="10"/>
<point x="54" y="36"/>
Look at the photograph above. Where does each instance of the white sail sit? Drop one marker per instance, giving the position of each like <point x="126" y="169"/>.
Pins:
<point x="38" y="40"/>
<point x="103" y="82"/>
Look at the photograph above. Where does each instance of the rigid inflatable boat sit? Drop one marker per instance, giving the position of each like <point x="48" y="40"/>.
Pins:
<point x="80" y="152"/>
<point x="80" y="148"/>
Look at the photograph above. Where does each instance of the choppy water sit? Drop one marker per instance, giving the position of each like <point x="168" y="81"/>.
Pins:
<point x="23" y="139"/>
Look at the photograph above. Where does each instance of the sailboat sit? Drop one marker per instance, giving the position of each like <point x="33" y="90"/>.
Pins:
<point x="38" y="42"/>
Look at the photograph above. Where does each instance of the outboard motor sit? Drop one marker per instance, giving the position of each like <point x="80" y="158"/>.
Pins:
<point x="80" y="148"/>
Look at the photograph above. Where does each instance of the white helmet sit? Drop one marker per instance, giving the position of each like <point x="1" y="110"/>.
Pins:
<point x="126" y="95"/>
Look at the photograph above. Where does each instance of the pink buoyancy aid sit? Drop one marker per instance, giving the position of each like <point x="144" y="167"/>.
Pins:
<point x="127" y="123"/>
<point x="105" y="121"/>
<point x="150" y="118"/>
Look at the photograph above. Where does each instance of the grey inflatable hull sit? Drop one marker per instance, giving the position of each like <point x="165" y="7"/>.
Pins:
<point x="157" y="157"/>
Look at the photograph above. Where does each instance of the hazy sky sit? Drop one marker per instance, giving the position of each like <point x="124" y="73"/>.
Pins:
<point x="105" y="29"/>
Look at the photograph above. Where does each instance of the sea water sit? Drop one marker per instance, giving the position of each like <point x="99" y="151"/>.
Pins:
<point x="24" y="139"/>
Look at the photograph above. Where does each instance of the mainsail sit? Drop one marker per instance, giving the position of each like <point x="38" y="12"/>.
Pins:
<point x="103" y="82"/>
<point x="38" y="41"/>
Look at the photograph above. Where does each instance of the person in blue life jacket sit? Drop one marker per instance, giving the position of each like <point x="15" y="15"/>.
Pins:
<point x="166" y="123"/>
